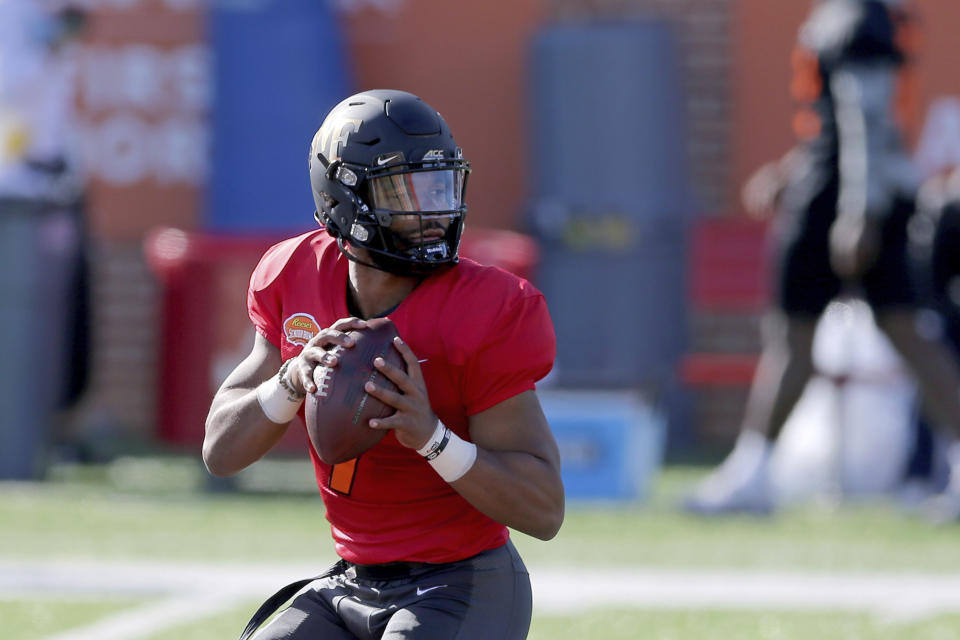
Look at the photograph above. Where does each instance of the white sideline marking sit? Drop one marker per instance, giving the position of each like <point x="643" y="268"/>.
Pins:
<point x="893" y="597"/>
<point x="189" y="591"/>
<point x="143" y="621"/>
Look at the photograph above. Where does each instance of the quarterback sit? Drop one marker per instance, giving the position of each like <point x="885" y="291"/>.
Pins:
<point x="419" y="521"/>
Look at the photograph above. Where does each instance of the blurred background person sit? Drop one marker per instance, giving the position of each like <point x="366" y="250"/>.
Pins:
<point x="844" y="196"/>
<point x="39" y="153"/>
<point x="938" y="239"/>
<point x="934" y="236"/>
<point x="42" y="227"/>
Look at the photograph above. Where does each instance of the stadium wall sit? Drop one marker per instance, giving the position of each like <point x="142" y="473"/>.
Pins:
<point x="735" y="61"/>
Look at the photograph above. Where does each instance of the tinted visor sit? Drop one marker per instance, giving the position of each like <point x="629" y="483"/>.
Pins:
<point x="432" y="190"/>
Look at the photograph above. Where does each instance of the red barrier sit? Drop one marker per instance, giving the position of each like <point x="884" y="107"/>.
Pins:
<point x="205" y="331"/>
<point x="728" y="275"/>
<point x="729" y="265"/>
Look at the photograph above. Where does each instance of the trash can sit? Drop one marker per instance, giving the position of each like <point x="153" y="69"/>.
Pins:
<point x="40" y="250"/>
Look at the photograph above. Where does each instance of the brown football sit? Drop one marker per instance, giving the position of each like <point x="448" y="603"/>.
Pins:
<point x="339" y="412"/>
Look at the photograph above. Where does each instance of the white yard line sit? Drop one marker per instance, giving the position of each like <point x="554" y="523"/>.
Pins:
<point x="188" y="591"/>
<point x="892" y="596"/>
<point x="140" y="622"/>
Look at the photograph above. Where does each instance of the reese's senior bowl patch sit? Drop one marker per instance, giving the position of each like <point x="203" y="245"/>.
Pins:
<point x="300" y="327"/>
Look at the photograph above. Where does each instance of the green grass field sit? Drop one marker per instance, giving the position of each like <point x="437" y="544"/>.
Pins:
<point x="112" y="514"/>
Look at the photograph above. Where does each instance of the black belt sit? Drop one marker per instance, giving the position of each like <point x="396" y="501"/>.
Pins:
<point x="387" y="571"/>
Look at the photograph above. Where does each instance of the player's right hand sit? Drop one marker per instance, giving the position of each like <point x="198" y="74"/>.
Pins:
<point x="320" y="352"/>
<point x="762" y="191"/>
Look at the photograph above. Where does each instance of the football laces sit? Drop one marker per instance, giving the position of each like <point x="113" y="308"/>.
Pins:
<point x="326" y="373"/>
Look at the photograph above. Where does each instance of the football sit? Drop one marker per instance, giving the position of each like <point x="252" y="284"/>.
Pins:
<point x="338" y="413"/>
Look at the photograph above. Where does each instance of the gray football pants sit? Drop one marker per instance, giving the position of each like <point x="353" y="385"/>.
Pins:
<point x="486" y="597"/>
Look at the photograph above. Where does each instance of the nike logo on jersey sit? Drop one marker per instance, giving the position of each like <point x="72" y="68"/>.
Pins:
<point x="383" y="161"/>
<point x="421" y="590"/>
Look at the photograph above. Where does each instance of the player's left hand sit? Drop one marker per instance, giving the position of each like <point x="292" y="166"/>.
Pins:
<point x="854" y="244"/>
<point x="414" y="421"/>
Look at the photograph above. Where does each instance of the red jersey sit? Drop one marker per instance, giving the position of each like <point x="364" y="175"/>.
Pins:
<point x="482" y="335"/>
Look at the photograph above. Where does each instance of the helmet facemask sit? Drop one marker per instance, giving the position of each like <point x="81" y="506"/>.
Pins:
<point x="409" y="217"/>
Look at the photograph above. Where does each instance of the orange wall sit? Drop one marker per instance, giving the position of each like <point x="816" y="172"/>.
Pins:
<point x="469" y="61"/>
<point x="763" y="36"/>
<point x="764" y="32"/>
<point x="938" y="68"/>
<point x="142" y="78"/>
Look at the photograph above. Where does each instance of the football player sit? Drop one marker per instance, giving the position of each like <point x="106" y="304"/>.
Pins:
<point x="935" y="248"/>
<point x="845" y="198"/>
<point x="420" y="521"/>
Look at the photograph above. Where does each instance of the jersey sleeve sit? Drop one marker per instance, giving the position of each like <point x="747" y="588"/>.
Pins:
<point x="263" y="300"/>
<point x="518" y="350"/>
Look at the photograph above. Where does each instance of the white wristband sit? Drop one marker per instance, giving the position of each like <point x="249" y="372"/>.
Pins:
<point x="276" y="402"/>
<point x="450" y="455"/>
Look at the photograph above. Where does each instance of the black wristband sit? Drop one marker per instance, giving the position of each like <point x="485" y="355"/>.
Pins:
<point x="440" y="446"/>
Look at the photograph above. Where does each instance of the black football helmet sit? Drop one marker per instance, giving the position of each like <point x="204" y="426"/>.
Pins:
<point x="388" y="176"/>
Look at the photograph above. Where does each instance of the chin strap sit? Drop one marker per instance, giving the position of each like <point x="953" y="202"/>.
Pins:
<point x="352" y="257"/>
<point x="399" y="267"/>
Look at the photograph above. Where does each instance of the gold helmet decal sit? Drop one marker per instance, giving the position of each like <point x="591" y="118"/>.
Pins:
<point x="330" y="138"/>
